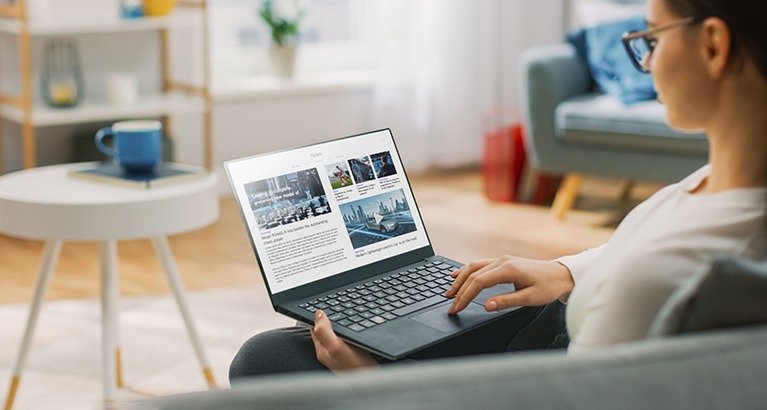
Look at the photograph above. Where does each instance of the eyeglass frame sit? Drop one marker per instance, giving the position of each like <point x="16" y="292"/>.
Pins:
<point x="629" y="36"/>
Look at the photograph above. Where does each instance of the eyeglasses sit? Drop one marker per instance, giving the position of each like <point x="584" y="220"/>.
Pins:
<point x="640" y="44"/>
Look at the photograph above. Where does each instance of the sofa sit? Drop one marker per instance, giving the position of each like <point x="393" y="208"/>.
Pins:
<point x="706" y="350"/>
<point x="575" y="129"/>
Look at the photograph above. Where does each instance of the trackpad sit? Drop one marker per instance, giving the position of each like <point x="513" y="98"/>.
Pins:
<point x="440" y="320"/>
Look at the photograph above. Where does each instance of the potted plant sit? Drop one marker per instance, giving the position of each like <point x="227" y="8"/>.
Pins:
<point x="284" y="18"/>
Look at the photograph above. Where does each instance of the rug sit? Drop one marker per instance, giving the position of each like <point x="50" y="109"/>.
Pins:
<point x="63" y="369"/>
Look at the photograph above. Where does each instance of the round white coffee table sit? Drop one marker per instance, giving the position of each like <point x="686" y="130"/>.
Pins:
<point x="48" y="204"/>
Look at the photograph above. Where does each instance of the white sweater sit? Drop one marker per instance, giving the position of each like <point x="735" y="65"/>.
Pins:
<point x="621" y="285"/>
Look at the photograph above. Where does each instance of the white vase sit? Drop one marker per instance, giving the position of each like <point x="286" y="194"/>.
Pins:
<point x="283" y="61"/>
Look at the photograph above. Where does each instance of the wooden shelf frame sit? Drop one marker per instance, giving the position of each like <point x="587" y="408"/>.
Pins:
<point x="21" y="108"/>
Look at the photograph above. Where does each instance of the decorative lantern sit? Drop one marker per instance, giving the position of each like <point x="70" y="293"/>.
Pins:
<point x="62" y="81"/>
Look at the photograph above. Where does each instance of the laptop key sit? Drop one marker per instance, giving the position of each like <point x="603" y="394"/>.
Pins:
<point x="419" y="305"/>
<point x="344" y="322"/>
<point x="389" y="316"/>
<point x="366" y="323"/>
<point x="337" y="316"/>
<point x="356" y="327"/>
<point x="377" y="320"/>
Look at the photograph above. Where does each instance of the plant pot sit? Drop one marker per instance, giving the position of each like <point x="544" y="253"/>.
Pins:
<point x="283" y="61"/>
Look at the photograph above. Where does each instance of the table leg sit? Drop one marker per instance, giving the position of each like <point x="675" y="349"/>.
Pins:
<point x="109" y="300"/>
<point x="48" y="263"/>
<point x="169" y="264"/>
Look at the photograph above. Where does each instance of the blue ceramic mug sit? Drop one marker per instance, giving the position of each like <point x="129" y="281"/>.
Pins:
<point x="136" y="145"/>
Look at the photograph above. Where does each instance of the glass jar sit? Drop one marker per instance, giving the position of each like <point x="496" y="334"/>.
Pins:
<point x="62" y="81"/>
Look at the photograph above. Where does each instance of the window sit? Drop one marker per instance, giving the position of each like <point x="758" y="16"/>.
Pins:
<point x="334" y="37"/>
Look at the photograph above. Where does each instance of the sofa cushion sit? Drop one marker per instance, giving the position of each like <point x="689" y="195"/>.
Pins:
<point x="600" y="119"/>
<point x="731" y="292"/>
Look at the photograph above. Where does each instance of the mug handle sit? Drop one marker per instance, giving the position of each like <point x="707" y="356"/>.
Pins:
<point x="104" y="132"/>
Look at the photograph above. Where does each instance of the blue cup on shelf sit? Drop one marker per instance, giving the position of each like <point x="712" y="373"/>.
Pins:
<point x="136" y="145"/>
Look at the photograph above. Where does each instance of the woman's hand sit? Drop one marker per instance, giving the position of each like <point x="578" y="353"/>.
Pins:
<point x="536" y="282"/>
<point x="334" y="353"/>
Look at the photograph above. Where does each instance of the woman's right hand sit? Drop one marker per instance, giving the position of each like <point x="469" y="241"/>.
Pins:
<point x="536" y="282"/>
<point x="332" y="351"/>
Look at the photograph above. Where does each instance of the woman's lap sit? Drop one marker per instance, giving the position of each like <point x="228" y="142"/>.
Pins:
<point x="291" y="349"/>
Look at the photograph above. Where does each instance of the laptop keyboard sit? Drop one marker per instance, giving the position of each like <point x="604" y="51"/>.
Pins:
<point x="379" y="301"/>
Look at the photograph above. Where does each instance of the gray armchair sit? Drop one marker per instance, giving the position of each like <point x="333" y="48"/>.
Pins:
<point x="575" y="130"/>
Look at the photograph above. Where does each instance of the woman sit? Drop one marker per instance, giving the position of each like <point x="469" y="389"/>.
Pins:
<point x="708" y="59"/>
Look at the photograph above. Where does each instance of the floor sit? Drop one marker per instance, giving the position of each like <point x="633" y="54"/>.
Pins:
<point x="228" y="299"/>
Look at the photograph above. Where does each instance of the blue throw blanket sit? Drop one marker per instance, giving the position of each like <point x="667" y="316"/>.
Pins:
<point x="608" y="62"/>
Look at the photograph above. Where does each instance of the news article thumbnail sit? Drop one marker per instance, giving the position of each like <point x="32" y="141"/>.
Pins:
<point x="377" y="218"/>
<point x="383" y="164"/>
<point x="288" y="198"/>
<point x="339" y="175"/>
<point x="361" y="169"/>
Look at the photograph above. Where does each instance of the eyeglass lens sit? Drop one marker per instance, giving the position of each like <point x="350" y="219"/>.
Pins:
<point x="639" y="49"/>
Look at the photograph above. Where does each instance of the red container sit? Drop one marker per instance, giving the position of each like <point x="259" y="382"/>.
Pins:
<point x="504" y="154"/>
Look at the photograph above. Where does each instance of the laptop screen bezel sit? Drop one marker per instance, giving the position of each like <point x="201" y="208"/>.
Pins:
<point x="342" y="278"/>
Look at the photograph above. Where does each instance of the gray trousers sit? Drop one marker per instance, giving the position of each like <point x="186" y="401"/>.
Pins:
<point x="291" y="349"/>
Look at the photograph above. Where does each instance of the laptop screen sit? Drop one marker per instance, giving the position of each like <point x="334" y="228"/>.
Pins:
<point x="324" y="209"/>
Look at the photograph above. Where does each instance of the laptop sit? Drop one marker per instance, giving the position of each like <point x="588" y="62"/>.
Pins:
<point x="335" y="226"/>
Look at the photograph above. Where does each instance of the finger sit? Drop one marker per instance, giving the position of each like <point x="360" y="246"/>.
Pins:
<point x="325" y="339"/>
<point x="323" y="330"/>
<point x="485" y="278"/>
<point x="464" y="273"/>
<point x="318" y="347"/>
<point x="520" y="297"/>
<point x="457" y="271"/>
<point x="450" y="292"/>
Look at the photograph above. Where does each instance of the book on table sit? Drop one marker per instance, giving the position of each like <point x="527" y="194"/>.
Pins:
<point x="163" y="174"/>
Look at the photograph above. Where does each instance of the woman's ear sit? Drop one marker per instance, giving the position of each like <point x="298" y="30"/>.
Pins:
<point x="717" y="45"/>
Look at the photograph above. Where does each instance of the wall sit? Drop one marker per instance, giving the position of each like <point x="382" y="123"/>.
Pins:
<point x="254" y="123"/>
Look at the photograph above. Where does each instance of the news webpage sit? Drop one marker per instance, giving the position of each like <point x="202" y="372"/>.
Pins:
<point x="321" y="210"/>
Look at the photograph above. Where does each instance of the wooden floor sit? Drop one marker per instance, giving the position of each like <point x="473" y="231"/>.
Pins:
<point x="461" y="223"/>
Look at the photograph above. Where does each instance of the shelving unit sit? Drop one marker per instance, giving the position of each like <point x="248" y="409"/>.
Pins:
<point x="174" y="97"/>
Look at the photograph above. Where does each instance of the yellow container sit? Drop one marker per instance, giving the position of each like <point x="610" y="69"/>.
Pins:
<point x="154" y="8"/>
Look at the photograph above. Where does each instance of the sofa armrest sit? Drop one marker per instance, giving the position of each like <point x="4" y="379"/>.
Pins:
<point x="550" y="75"/>
<point x="673" y="373"/>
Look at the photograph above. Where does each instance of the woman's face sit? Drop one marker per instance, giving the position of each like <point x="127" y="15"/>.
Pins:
<point x="677" y="68"/>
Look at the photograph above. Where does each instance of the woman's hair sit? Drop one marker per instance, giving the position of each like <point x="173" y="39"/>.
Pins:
<point x="744" y="17"/>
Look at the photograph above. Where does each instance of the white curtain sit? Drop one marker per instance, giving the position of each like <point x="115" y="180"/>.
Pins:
<point x="439" y="65"/>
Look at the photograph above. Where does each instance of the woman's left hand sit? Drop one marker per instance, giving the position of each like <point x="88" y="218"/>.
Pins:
<point x="333" y="352"/>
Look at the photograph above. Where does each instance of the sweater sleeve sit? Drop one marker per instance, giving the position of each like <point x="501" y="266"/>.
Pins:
<point x="578" y="264"/>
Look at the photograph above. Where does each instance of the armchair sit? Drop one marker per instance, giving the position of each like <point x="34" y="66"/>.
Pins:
<point x="575" y="130"/>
